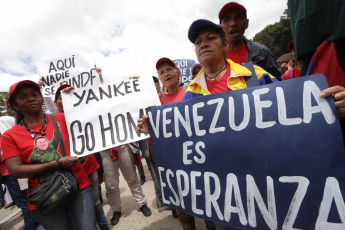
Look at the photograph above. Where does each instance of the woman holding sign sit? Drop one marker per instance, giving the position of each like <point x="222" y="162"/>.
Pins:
<point x="34" y="149"/>
<point x="169" y="74"/>
<point x="218" y="73"/>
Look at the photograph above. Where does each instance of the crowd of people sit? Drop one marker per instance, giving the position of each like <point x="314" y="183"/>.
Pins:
<point x="31" y="147"/>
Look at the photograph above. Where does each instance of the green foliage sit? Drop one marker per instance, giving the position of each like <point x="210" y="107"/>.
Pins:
<point x="3" y="102"/>
<point x="276" y="36"/>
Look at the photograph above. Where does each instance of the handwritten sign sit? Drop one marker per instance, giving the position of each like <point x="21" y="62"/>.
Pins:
<point x="185" y="65"/>
<point x="76" y="70"/>
<point x="268" y="157"/>
<point x="104" y="116"/>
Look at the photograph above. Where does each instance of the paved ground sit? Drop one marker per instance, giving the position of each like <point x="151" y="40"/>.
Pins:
<point x="131" y="219"/>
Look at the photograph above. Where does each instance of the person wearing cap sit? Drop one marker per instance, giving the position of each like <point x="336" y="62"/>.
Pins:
<point x="233" y="17"/>
<point x="195" y="70"/>
<point x="169" y="75"/>
<point x="293" y="72"/>
<point x="17" y="144"/>
<point x="218" y="73"/>
<point x="89" y="164"/>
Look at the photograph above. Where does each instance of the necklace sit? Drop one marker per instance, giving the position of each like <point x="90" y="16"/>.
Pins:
<point x="212" y="78"/>
<point x="42" y="129"/>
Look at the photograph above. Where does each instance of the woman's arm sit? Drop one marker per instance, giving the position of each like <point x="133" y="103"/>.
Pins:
<point x="50" y="105"/>
<point x="18" y="169"/>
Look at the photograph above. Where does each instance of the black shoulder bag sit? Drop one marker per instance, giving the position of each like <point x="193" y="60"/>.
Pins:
<point x="59" y="190"/>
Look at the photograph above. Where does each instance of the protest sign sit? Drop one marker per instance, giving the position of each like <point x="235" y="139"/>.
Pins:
<point x="185" y="65"/>
<point x="75" y="70"/>
<point x="268" y="157"/>
<point x="104" y="116"/>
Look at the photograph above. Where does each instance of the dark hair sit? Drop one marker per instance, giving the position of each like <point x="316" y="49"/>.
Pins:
<point x="155" y="79"/>
<point x="12" y="99"/>
<point x="57" y="95"/>
<point x="41" y="137"/>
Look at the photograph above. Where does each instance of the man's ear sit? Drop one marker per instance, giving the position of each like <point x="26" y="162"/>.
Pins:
<point x="55" y="103"/>
<point x="247" y="23"/>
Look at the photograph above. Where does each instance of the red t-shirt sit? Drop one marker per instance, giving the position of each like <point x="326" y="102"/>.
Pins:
<point x="239" y="56"/>
<point x="90" y="165"/>
<point x="219" y="85"/>
<point x="3" y="169"/>
<point x="172" y="97"/>
<point x="17" y="141"/>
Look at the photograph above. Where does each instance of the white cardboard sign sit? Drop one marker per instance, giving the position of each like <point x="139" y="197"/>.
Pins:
<point x="105" y="116"/>
<point x="76" y="70"/>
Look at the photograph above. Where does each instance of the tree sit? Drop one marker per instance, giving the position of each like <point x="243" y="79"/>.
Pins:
<point x="276" y="36"/>
<point x="5" y="111"/>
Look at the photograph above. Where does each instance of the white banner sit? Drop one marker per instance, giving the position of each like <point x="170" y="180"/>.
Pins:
<point x="76" y="70"/>
<point x="104" y="116"/>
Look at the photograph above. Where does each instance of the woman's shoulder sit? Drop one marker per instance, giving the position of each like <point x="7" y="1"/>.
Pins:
<point x="13" y="131"/>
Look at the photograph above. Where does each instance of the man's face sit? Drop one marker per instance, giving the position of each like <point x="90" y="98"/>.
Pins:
<point x="234" y="23"/>
<point x="42" y="144"/>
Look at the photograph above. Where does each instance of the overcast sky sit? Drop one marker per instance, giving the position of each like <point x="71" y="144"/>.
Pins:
<point x="124" y="37"/>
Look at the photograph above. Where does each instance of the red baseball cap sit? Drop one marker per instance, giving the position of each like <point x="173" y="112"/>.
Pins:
<point x="198" y="25"/>
<point x="290" y="46"/>
<point x="61" y="87"/>
<point x="230" y="6"/>
<point x="13" y="87"/>
<point x="164" y="60"/>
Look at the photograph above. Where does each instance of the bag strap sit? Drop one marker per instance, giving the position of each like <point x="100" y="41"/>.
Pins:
<point x="56" y="126"/>
<point x="252" y="80"/>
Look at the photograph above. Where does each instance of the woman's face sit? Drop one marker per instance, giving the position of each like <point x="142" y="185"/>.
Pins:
<point x="168" y="75"/>
<point x="28" y="100"/>
<point x="209" y="47"/>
